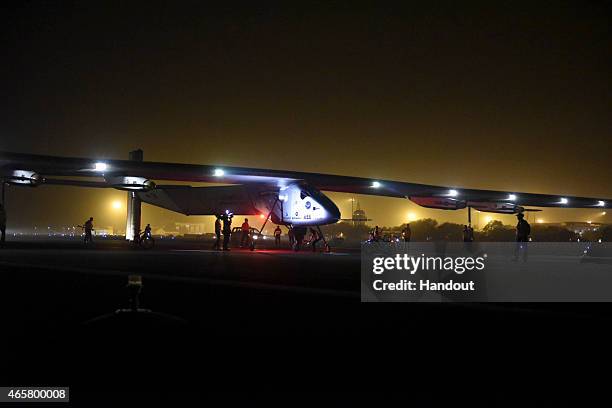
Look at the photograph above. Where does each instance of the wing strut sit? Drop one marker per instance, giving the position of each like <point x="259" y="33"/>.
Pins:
<point x="269" y="214"/>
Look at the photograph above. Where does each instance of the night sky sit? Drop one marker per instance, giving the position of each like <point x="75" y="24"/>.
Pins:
<point x="496" y="95"/>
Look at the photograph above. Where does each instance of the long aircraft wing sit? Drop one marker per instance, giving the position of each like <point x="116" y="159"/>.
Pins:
<point x="20" y="168"/>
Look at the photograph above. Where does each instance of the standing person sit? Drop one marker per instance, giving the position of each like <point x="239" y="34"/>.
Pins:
<point x="2" y="223"/>
<point x="523" y="230"/>
<point x="147" y="232"/>
<point x="468" y="238"/>
<point x="244" y="239"/>
<point x="227" y="229"/>
<point x="376" y="234"/>
<point x="300" y="233"/>
<point x="466" y="234"/>
<point x="88" y="227"/>
<point x="407" y="233"/>
<point x="291" y="236"/>
<point x="217" y="244"/>
<point x="277" y="236"/>
<point x="314" y="238"/>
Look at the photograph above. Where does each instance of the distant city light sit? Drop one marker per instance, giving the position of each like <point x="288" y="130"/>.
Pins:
<point x="488" y="219"/>
<point x="589" y="222"/>
<point x="604" y="213"/>
<point x="512" y="197"/>
<point x="219" y="173"/>
<point x="453" y="193"/>
<point x="564" y="200"/>
<point x="376" y="184"/>
<point x="100" y="166"/>
<point x="116" y="205"/>
<point x="540" y="221"/>
<point x="412" y="216"/>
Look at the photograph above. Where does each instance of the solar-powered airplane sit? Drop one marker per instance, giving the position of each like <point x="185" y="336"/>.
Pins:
<point x="290" y="198"/>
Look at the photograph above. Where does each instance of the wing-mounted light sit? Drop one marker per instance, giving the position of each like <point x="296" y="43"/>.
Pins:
<point x="23" y="178"/>
<point x="130" y="183"/>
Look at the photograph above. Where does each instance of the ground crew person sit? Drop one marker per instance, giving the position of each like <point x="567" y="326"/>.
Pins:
<point x="291" y="236"/>
<point x="2" y="223"/>
<point x="299" y="234"/>
<point x="147" y="231"/>
<point x="244" y="238"/>
<point x="376" y="234"/>
<point x="88" y="227"/>
<point x="466" y="234"/>
<point x="523" y="230"/>
<point x="314" y="238"/>
<point x="227" y="229"/>
<point x="217" y="244"/>
<point x="407" y="233"/>
<point x="277" y="236"/>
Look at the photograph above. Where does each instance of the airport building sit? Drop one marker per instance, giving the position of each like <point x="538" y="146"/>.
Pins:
<point x="183" y="228"/>
<point x="359" y="215"/>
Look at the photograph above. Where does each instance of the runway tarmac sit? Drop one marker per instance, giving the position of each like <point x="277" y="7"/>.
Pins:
<point x="268" y="307"/>
<point x="64" y="285"/>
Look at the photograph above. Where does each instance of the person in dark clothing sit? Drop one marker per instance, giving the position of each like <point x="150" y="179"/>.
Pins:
<point x="407" y="233"/>
<point x="299" y="234"/>
<point x="277" y="236"/>
<point x="88" y="227"/>
<point x="2" y="223"/>
<point x="523" y="230"/>
<point x="314" y="238"/>
<point x="376" y="234"/>
<point x="217" y="244"/>
<point x="291" y="236"/>
<point x="466" y="234"/>
<point x="468" y="239"/>
<point x="227" y="229"/>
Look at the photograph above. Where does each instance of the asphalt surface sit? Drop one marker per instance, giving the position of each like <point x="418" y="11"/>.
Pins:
<point x="233" y="313"/>
<point x="59" y="284"/>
